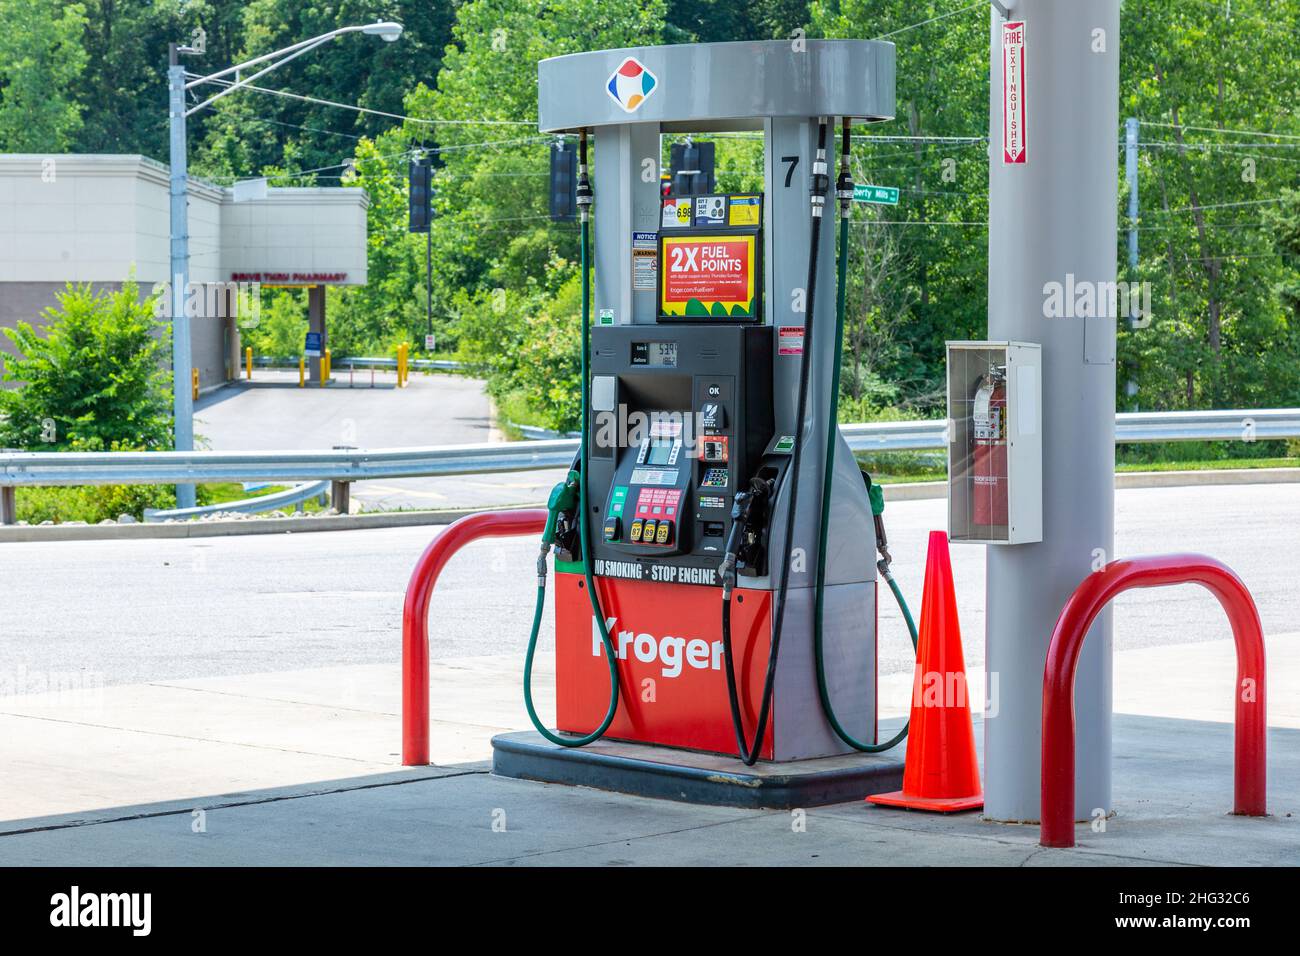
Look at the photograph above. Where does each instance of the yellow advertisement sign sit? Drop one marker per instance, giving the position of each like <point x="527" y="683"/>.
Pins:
<point x="708" y="276"/>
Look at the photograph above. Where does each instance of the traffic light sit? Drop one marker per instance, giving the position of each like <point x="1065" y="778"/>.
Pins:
<point x="564" y="182"/>
<point x="691" y="167"/>
<point x="421" y="194"/>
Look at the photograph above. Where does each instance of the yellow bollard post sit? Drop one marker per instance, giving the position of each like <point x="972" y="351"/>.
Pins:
<point x="328" y="369"/>
<point x="401" y="365"/>
<point x="194" y="382"/>
<point x="248" y="362"/>
<point x="302" y="371"/>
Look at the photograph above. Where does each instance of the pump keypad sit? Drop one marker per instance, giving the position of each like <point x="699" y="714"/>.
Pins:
<point x="714" y="478"/>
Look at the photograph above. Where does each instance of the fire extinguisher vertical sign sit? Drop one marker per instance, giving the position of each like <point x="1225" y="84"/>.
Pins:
<point x="1014" y="143"/>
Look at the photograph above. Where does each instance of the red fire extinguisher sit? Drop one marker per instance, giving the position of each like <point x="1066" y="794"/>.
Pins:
<point x="989" y="465"/>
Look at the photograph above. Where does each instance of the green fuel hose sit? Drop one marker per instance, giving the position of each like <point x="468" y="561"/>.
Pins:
<point x="877" y="499"/>
<point x="563" y="499"/>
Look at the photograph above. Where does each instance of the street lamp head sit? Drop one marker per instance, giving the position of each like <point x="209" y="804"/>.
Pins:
<point x="385" y="28"/>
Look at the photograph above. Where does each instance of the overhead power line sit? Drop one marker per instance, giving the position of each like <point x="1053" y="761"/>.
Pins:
<point x="1219" y="205"/>
<point x="913" y="26"/>
<point x="412" y="151"/>
<point x="363" y="109"/>
<point x="1221" y="132"/>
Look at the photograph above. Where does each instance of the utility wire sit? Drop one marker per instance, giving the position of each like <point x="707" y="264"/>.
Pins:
<point x="1167" y="144"/>
<point x="412" y="151"/>
<point x="913" y="26"/>
<point x="914" y="222"/>
<point x="362" y="109"/>
<point x="1218" y="205"/>
<point x="1221" y="132"/>
<point x="310" y="129"/>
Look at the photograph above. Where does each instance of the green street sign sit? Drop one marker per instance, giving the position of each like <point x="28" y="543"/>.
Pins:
<point x="885" y="195"/>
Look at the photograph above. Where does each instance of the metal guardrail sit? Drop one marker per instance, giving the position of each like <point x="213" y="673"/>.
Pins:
<point x="247" y="506"/>
<point x="431" y="365"/>
<point x="189" y="467"/>
<point x="346" y="465"/>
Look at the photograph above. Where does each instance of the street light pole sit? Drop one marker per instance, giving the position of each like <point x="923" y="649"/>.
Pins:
<point x="182" y="398"/>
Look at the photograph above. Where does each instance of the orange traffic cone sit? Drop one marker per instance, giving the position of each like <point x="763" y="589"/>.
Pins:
<point x="940" y="772"/>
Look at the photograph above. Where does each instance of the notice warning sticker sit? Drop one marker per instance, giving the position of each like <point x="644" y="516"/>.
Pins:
<point x="790" y="340"/>
<point x="1014" y="141"/>
<point x="708" y="276"/>
<point x="645" y="261"/>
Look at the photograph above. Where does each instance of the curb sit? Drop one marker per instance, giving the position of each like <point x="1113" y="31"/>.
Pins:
<point x="1219" y="476"/>
<point x="911" y="491"/>
<point x="220" y="529"/>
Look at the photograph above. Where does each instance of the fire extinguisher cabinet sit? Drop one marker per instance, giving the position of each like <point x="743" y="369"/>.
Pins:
<point x="995" y="447"/>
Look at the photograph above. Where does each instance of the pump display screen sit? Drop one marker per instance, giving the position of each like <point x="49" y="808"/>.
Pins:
<point x="660" y="451"/>
<point x="709" y="275"/>
<point x="655" y="354"/>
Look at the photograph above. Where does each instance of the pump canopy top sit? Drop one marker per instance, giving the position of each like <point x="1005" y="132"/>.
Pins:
<point x="716" y="86"/>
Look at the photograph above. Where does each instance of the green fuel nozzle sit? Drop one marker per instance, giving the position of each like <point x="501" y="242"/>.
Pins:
<point x="563" y="499"/>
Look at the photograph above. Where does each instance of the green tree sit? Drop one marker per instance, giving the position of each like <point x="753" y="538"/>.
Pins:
<point x="93" y="382"/>
<point x="123" y="90"/>
<point x="918" y="270"/>
<point x="1213" y="86"/>
<point x="713" y="21"/>
<point x="41" y="60"/>
<point x="281" y="329"/>
<point x="248" y="131"/>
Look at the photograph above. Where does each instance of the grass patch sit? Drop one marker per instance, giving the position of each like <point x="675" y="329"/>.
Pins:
<point x="95" y="503"/>
<point x="903" y="467"/>
<point x="1206" y="465"/>
<point x="513" y="410"/>
<point x="891" y="468"/>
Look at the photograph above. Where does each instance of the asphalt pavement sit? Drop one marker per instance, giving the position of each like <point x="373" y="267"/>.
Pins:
<point x="362" y="409"/>
<point x="140" y="610"/>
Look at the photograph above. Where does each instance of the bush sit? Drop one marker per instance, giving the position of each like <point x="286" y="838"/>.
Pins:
<point x="93" y="382"/>
<point x="528" y="346"/>
<point x="91" y="503"/>
<point x="281" y="330"/>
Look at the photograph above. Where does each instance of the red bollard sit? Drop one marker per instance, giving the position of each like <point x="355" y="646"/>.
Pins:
<point x="1087" y="601"/>
<point x="415" y="614"/>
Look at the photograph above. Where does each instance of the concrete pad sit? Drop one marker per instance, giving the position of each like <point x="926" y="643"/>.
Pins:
<point x="1197" y="681"/>
<point x="86" y="750"/>
<point x="301" y="767"/>
<point x="669" y="773"/>
<point x="1170" y="814"/>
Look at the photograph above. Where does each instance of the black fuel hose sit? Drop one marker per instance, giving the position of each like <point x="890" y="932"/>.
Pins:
<point x="749" y="751"/>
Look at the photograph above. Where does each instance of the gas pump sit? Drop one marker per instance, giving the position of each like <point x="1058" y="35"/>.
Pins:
<point x="716" y="545"/>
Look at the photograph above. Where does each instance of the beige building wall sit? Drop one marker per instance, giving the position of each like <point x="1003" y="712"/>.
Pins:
<point x="101" y="219"/>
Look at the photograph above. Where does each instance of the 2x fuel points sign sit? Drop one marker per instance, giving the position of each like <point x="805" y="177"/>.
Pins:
<point x="709" y="259"/>
<point x="709" y="276"/>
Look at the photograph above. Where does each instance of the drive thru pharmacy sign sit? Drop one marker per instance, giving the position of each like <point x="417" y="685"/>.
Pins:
<point x="1014" y="143"/>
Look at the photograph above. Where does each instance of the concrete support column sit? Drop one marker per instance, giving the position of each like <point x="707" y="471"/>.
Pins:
<point x="234" y="349"/>
<point x="1053" y="217"/>
<point x="341" y="496"/>
<point x="316" y="323"/>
